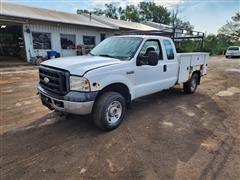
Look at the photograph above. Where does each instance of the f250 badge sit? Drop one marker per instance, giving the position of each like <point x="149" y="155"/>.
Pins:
<point x="46" y="80"/>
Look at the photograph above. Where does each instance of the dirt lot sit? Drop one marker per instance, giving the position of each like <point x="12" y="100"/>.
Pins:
<point x="168" y="135"/>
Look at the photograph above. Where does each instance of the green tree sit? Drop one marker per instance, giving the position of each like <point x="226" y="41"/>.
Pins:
<point x="81" y="11"/>
<point x="161" y="15"/>
<point x="98" y="12"/>
<point x="232" y="28"/>
<point x="131" y="13"/>
<point x="121" y="13"/>
<point x="177" y="22"/>
<point x="216" y="44"/>
<point x="145" y="10"/>
<point x="184" y="25"/>
<point x="111" y="11"/>
<point x="149" y="11"/>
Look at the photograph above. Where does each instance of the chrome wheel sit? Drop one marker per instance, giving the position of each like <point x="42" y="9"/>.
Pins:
<point x="114" y="112"/>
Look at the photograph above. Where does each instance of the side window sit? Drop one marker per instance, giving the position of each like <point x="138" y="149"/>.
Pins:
<point x="169" y="49"/>
<point x="151" y="45"/>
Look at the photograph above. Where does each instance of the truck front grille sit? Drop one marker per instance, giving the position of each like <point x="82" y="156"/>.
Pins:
<point x="54" y="80"/>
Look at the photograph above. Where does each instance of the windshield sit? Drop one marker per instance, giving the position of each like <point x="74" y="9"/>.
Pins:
<point x="233" y="48"/>
<point x="122" y="48"/>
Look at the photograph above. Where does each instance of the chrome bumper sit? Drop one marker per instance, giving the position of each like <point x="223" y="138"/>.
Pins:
<point x="232" y="54"/>
<point x="66" y="106"/>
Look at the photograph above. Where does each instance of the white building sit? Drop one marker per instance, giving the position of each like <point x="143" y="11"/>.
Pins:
<point x="40" y="30"/>
<point x="27" y="32"/>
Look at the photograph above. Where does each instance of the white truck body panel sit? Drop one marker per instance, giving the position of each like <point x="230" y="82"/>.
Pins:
<point x="140" y="80"/>
<point x="78" y="65"/>
<point x="189" y="62"/>
<point x="145" y="80"/>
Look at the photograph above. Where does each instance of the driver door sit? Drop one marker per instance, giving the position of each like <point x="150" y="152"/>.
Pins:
<point x="148" y="79"/>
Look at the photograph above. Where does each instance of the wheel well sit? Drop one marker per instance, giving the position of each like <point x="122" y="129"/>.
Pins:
<point x="199" y="75"/>
<point x="117" y="87"/>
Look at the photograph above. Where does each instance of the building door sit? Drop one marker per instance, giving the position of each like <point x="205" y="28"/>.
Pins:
<point x="12" y="46"/>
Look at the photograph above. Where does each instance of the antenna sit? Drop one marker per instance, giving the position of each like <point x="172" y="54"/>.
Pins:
<point x="90" y="16"/>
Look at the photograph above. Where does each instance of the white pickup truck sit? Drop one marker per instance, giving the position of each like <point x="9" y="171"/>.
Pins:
<point x="117" y="71"/>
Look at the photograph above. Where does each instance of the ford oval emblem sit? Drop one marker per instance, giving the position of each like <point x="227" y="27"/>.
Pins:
<point x="46" y="80"/>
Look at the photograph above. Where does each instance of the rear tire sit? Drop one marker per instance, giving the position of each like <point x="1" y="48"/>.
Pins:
<point x="190" y="86"/>
<point x="109" y="111"/>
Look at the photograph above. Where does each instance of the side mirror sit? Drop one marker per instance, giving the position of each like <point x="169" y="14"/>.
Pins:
<point x="152" y="58"/>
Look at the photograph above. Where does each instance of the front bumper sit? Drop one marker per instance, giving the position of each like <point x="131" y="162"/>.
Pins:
<point x="73" y="102"/>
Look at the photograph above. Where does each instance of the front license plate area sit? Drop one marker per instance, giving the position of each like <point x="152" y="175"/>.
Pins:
<point x="46" y="101"/>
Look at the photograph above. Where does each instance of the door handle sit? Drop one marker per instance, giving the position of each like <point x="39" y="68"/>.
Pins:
<point x="130" y="72"/>
<point x="164" y="68"/>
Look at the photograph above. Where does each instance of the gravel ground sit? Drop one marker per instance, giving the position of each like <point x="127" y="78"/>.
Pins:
<point x="167" y="135"/>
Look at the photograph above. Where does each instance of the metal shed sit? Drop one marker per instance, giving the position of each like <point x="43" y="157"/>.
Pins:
<point x="41" y="30"/>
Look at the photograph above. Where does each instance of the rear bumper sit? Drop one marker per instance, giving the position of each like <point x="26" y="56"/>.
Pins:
<point x="74" y="102"/>
<point x="232" y="54"/>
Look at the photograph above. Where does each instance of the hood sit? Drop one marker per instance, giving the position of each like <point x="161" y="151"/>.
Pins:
<point x="78" y="65"/>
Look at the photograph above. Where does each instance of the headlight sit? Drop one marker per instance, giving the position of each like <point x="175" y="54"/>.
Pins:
<point x="79" y="84"/>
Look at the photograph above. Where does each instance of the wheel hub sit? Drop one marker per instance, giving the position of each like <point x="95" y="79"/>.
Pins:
<point x="114" y="112"/>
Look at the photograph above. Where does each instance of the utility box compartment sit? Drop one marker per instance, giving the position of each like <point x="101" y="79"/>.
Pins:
<point x="189" y="62"/>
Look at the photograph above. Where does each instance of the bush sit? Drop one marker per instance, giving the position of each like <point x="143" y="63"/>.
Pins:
<point x="214" y="44"/>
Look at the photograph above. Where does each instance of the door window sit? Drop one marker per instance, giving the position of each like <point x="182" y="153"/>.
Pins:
<point x="151" y="45"/>
<point x="169" y="49"/>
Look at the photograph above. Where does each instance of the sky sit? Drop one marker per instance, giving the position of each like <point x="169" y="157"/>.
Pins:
<point x="206" y="15"/>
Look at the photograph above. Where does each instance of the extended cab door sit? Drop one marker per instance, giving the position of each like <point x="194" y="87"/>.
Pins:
<point x="170" y="63"/>
<point x="150" y="79"/>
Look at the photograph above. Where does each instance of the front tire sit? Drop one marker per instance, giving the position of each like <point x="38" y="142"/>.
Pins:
<point x="191" y="86"/>
<point x="109" y="111"/>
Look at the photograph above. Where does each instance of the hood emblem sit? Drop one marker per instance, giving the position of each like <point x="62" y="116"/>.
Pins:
<point x="46" y="80"/>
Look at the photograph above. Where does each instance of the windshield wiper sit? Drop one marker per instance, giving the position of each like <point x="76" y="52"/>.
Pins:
<point x="106" y="55"/>
<point x="116" y="57"/>
<point x="91" y="54"/>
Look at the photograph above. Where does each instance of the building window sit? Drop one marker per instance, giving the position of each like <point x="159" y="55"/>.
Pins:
<point x="102" y="36"/>
<point x="89" y="40"/>
<point x="68" y="41"/>
<point x="41" y="40"/>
